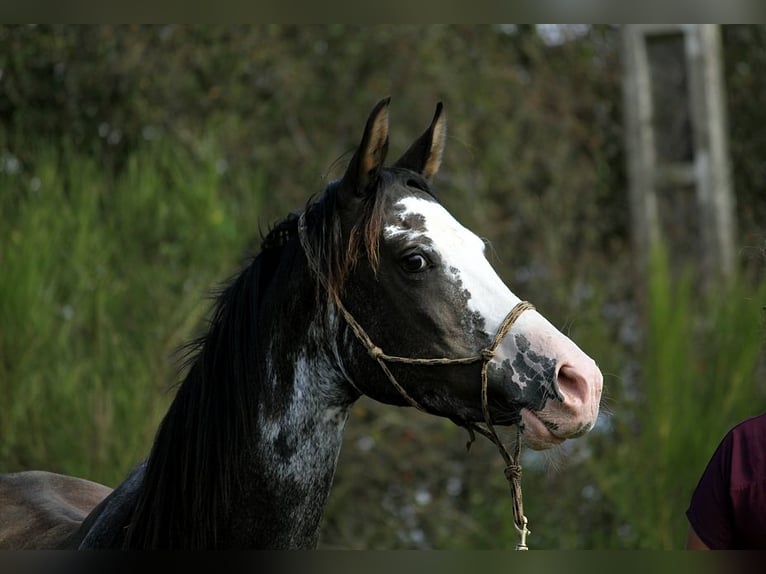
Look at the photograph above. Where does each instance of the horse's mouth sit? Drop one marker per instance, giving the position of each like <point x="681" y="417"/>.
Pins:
<point x="536" y="434"/>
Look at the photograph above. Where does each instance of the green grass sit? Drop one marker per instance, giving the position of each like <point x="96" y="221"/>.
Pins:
<point x="101" y="280"/>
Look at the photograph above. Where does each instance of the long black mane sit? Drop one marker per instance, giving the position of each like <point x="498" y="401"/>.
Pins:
<point x="190" y="474"/>
<point x="191" y="477"/>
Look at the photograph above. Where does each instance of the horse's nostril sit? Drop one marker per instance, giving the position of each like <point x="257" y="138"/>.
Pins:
<point x="571" y="384"/>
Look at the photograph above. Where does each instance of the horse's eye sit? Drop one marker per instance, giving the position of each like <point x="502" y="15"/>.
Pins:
<point x="415" y="263"/>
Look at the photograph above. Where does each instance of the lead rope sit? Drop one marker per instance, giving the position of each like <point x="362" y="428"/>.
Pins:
<point x="512" y="460"/>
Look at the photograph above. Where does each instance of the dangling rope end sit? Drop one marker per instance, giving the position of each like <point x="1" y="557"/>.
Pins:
<point x="523" y="532"/>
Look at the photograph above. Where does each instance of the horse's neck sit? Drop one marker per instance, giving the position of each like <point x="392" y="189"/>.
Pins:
<point x="278" y="475"/>
<point x="302" y="406"/>
<point x="288" y="478"/>
<point x="284" y="479"/>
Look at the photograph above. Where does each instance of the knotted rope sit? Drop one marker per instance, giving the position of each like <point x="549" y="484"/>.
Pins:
<point x="512" y="464"/>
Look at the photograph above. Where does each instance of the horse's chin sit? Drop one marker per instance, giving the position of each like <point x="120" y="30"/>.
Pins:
<point x="536" y="435"/>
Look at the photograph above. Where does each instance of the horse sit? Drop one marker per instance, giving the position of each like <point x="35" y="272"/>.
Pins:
<point x="373" y="289"/>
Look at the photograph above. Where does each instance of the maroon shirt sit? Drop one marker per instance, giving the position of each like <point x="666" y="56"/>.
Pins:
<point x="728" y="507"/>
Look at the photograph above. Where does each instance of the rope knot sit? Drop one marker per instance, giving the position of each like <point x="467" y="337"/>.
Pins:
<point x="487" y="354"/>
<point x="375" y="352"/>
<point x="513" y="472"/>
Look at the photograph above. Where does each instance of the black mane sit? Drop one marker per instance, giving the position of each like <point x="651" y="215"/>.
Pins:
<point x="190" y="474"/>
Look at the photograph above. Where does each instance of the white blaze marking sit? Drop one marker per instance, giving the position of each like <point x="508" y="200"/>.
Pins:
<point x="462" y="257"/>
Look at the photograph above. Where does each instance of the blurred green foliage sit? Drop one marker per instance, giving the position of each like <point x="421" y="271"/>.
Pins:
<point x="138" y="164"/>
<point x="700" y="373"/>
<point x="101" y="280"/>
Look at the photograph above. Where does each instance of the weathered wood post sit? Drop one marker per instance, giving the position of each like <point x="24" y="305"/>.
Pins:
<point x="676" y="143"/>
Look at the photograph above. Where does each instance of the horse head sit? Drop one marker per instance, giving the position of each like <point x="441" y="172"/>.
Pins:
<point x="420" y="286"/>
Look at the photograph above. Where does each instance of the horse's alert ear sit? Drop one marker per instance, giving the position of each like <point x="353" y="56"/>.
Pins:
<point x="425" y="155"/>
<point x="362" y="172"/>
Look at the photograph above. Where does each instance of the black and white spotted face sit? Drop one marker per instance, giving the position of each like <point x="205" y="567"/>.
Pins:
<point x="437" y="295"/>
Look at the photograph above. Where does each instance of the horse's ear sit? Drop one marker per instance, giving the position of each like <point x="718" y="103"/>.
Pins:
<point x="425" y="155"/>
<point x="362" y="172"/>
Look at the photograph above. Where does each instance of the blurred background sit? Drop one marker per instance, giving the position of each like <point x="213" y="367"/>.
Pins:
<point x="139" y="165"/>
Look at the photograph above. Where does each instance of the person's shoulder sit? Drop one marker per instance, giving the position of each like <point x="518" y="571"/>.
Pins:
<point x="751" y="429"/>
<point x="746" y="452"/>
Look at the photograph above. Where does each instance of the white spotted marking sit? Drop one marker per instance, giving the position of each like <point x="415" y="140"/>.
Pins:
<point x="311" y="402"/>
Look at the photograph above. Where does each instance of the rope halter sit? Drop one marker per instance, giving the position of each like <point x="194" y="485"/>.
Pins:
<point x="485" y="355"/>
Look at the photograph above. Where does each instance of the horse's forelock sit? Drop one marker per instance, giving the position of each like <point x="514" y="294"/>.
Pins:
<point x="339" y="250"/>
